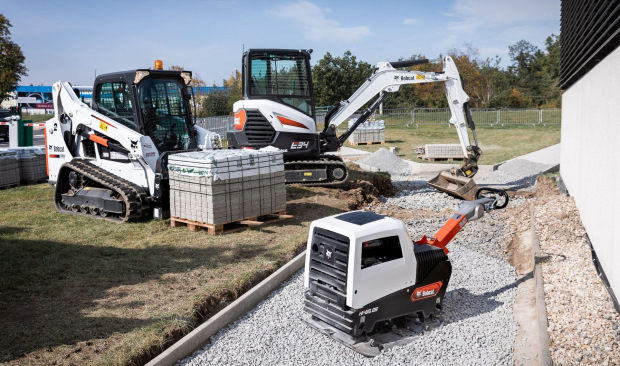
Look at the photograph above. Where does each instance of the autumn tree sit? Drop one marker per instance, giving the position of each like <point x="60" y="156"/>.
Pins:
<point x="11" y="60"/>
<point x="336" y="78"/>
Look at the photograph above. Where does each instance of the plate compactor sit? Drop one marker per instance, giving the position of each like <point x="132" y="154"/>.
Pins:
<point x="368" y="286"/>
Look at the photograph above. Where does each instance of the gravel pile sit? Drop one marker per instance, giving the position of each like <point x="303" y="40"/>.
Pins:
<point x="385" y="161"/>
<point x="515" y="174"/>
<point x="478" y="326"/>
<point x="584" y="327"/>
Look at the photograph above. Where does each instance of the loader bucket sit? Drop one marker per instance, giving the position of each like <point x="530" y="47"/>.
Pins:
<point x="458" y="186"/>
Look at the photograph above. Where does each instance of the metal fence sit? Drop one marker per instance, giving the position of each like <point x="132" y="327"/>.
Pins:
<point x="219" y="124"/>
<point x="422" y="116"/>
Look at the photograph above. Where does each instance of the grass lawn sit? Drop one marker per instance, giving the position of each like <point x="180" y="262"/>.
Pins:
<point x="498" y="143"/>
<point x="37" y="118"/>
<point x="76" y="290"/>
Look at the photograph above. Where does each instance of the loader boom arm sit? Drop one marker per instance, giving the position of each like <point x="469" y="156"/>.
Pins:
<point x="90" y="124"/>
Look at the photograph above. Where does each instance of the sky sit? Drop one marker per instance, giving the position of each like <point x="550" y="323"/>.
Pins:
<point x="76" y="40"/>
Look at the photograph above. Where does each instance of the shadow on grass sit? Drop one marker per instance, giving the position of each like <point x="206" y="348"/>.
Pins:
<point x="48" y="289"/>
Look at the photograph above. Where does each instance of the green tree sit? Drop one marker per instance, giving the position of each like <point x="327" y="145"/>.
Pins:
<point x="536" y="73"/>
<point x="11" y="60"/>
<point x="335" y="79"/>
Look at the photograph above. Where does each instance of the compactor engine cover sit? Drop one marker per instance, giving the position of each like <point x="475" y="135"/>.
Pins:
<point x="363" y="271"/>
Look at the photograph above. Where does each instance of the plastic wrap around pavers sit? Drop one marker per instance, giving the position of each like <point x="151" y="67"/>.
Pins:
<point x="367" y="132"/>
<point x="22" y="165"/>
<point x="222" y="186"/>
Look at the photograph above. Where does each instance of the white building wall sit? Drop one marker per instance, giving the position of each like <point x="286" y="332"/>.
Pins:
<point x="590" y="163"/>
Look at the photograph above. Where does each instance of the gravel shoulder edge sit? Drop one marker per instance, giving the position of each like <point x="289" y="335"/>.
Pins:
<point x="199" y="336"/>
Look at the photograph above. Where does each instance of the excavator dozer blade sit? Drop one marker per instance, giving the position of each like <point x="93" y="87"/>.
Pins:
<point x="458" y="186"/>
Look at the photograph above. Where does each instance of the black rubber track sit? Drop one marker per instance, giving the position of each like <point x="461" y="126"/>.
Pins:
<point x="134" y="196"/>
<point x="329" y="161"/>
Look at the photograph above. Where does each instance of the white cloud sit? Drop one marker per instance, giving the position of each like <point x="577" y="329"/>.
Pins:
<point x="411" y="21"/>
<point x="472" y="15"/>
<point x="316" y="26"/>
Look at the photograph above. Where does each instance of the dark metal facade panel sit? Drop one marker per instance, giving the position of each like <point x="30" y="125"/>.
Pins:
<point x="590" y="30"/>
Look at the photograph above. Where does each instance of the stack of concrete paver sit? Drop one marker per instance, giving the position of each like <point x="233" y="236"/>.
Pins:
<point x="221" y="186"/>
<point x="30" y="167"/>
<point x="368" y="132"/>
<point x="443" y="151"/>
<point x="31" y="164"/>
<point x="9" y="168"/>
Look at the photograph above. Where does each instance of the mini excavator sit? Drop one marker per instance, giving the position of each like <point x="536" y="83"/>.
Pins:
<point x="367" y="285"/>
<point x="110" y="161"/>
<point x="278" y="109"/>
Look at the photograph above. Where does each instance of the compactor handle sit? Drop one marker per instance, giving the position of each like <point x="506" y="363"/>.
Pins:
<point x="497" y="195"/>
<point x="397" y="64"/>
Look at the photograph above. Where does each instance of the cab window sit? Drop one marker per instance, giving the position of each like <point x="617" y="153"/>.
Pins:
<point x="283" y="76"/>
<point x="114" y="101"/>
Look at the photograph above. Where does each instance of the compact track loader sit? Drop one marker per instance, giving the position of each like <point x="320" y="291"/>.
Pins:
<point x="369" y="286"/>
<point x="110" y="161"/>
<point x="278" y="109"/>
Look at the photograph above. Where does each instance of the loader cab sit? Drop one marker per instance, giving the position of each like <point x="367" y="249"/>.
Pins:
<point x="283" y="76"/>
<point x="152" y="102"/>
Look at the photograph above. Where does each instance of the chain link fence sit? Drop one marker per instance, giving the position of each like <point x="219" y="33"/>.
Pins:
<point x="421" y="117"/>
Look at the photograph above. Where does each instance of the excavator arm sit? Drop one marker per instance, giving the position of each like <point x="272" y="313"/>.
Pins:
<point x="387" y="79"/>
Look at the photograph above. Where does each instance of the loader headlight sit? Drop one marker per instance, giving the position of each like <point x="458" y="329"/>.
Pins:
<point x="140" y="74"/>
<point x="187" y="77"/>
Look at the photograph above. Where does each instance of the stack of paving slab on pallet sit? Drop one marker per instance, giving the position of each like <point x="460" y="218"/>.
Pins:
<point x="442" y="151"/>
<point x="222" y="186"/>
<point x="22" y="165"/>
<point x="368" y="132"/>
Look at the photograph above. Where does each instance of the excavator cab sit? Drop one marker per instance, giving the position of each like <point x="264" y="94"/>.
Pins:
<point x="152" y="102"/>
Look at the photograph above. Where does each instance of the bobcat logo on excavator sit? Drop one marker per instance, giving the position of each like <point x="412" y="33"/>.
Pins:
<point x="300" y="145"/>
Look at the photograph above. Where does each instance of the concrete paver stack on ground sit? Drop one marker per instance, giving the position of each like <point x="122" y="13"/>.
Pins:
<point x="22" y="165"/>
<point x="221" y="186"/>
<point x="9" y="168"/>
<point x="368" y="132"/>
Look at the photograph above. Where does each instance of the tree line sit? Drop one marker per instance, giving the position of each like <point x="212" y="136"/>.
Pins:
<point x="530" y="81"/>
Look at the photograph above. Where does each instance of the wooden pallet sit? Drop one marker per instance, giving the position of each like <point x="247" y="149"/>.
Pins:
<point x="366" y="143"/>
<point x="438" y="159"/>
<point x="232" y="226"/>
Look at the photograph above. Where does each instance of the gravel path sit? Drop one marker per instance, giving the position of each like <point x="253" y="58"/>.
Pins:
<point x="478" y="326"/>
<point x="584" y="327"/>
<point x="478" y="323"/>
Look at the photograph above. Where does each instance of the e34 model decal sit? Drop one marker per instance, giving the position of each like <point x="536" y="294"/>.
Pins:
<point x="300" y="145"/>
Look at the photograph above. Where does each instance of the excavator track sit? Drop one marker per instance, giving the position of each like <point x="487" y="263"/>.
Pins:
<point x="127" y="196"/>
<point x="335" y="169"/>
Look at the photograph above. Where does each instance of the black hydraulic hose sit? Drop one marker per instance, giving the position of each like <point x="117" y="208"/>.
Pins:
<point x="362" y="118"/>
<point x="397" y="64"/>
<point x="330" y="113"/>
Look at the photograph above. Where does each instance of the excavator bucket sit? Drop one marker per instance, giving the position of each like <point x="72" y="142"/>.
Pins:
<point x="458" y="186"/>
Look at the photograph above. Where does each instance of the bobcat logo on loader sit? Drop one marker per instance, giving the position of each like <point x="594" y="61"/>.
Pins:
<point x="300" y="145"/>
